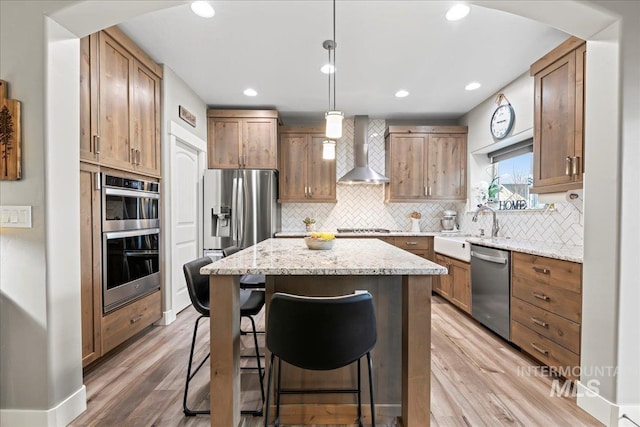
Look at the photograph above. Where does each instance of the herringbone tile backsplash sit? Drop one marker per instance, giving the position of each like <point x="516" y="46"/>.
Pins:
<point x="362" y="206"/>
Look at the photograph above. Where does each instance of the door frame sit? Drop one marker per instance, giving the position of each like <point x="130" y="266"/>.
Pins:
<point x="176" y="134"/>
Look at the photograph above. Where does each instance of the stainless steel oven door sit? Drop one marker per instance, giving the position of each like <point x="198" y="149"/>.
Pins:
<point x="130" y="266"/>
<point x="124" y="209"/>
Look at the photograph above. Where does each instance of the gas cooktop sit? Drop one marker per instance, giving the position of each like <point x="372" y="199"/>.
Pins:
<point x="363" y="230"/>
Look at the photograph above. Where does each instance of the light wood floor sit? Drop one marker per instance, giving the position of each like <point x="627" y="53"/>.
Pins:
<point x="475" y="380"/>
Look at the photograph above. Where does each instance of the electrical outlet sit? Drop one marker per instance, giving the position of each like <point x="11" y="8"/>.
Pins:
<point x="15" y="216"/>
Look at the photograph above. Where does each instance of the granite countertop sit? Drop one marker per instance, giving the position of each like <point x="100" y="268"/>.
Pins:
<point x="560" y="251"/>
<point x="368" y="234"/>
<point x="348" y="257"/>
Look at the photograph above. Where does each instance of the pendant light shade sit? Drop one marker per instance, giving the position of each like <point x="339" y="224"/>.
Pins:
<point x="328" y="150"/>
<point x="334" y="124"/>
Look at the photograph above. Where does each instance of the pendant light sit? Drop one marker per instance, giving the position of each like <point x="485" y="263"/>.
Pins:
<point x="333" y="117"/>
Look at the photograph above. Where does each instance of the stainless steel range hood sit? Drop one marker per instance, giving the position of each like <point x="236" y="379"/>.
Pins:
<point x="362" y="173"/>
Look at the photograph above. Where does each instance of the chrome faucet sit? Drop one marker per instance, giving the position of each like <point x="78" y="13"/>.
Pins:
<point x="495" y="227"/>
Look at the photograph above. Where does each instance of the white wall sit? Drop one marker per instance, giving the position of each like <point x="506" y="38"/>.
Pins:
<point x="565" y="224"/>
<point x="175" y="92"/>
<point x="40" y="342"/>
<point x="24" y="348"/>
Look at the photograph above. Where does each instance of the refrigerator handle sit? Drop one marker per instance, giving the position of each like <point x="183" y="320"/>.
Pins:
<point x="241" y="213"/>
<point x="234" y="211"/>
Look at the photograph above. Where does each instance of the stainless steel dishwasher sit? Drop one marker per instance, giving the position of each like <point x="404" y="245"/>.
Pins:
<point x="491" y="288"/>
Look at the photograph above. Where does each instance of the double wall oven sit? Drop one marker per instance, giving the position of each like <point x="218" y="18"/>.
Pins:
<point x="130" y="239"/>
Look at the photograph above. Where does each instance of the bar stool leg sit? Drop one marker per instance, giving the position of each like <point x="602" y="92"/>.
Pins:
<point x="373" y="405"/>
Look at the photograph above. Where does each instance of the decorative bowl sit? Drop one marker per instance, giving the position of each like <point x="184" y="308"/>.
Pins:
<point x="318" y="244"/>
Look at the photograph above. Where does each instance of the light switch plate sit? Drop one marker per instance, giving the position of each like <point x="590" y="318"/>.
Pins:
<point x="15" y="216"/>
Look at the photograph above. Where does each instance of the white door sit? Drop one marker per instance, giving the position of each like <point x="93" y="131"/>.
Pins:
<point x="185" y="207"/>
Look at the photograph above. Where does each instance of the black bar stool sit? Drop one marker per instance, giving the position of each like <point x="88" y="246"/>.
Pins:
<point x="320" y="333"/>
<point x="251" y="302"/>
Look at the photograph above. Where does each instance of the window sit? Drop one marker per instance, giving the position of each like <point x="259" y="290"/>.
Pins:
<point x="513" y="177"/>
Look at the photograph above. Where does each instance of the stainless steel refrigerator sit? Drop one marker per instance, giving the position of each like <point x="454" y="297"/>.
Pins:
<point x="240" y="208"/>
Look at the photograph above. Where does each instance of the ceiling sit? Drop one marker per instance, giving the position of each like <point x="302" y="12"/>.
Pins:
<point x="275" y="47"/>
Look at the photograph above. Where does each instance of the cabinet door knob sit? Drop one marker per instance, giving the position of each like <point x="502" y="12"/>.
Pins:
<point x="575" y="165"/>
<point x="132" y="156"/>
<point x="567" y="166"/>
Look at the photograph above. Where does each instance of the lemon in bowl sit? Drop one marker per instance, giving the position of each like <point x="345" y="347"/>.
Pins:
<point x="320" y="240"/>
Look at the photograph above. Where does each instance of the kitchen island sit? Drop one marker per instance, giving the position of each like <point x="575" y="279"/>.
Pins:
<point x="400" y="283"/>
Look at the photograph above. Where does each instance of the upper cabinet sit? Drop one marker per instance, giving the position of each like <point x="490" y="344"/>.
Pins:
<point x="242" y="139"/>
<point x="119" y="104"/>
<point x="558" y="136"/>
<point x="304" y="175"/>
<point x="426" y="163"/>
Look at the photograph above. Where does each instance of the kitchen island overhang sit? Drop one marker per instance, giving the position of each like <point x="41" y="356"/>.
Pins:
<point x="400" y="283"/>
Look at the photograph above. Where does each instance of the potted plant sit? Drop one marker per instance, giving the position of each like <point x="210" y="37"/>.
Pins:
<point x="309" y="223"/>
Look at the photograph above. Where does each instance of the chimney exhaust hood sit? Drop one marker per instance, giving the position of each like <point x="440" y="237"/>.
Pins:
<point x="362" y="173"/>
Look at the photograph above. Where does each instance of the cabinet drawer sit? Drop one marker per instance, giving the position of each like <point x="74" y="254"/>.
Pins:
<point x="547" y="271"/>
<point x="412" y="243"/>
<point x="127" y="321"/>
<point x="556" y="328"/>
<point x="545" y="350"/>
<point x="558" y="301"/>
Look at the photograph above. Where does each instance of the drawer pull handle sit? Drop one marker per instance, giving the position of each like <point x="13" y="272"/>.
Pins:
<point x="540" y="270"/>
<point x="412" y="243"/>
<point x="540" y="296"/>
<point x="539" y="349"/>
<point x="539" y="322"/>
<point x="136" y="319"/>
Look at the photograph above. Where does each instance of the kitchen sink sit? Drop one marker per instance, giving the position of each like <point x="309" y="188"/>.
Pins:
<point x="453" y="246"/>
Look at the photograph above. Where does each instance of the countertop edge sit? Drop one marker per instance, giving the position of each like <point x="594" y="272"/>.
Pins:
<point x="554" y="250"/>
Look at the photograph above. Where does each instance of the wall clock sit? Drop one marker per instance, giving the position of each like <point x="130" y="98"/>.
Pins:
<point x="502" y="121"/>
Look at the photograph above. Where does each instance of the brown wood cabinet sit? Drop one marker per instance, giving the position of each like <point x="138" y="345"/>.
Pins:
<point x="426" y="163"/>
<point x="455" y="287"/>
<point x="558" y="136"/>
<point x="242" y="139"/>
<point x="418" y="245"/>
<point x="546" y="310"/>
<point x="90" y="263"/>
<point x="304" y="175"/>
<point x="120" y="325"/>
<point x="119" y="104"/>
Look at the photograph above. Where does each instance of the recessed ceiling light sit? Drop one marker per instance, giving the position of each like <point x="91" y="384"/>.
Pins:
<point x="472" y="86"/>
<point x="457" y="12"/>
<point x="328" y="69"/>
<point x="402" y="93"/>
<point x="203" y="9"/>
<point x="250" y="92"/>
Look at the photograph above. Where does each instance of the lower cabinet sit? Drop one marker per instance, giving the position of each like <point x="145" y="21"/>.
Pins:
<point x="546" y="310"/>
<point x="418" y="245"/>
<point x="455" y="286"/>
<point x="120" y="325"/>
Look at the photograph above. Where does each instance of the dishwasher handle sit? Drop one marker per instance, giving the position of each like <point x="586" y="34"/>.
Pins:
<point x="494" y="259"/>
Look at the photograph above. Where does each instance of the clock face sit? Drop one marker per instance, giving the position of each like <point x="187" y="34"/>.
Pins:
<point x="502" y="121"/>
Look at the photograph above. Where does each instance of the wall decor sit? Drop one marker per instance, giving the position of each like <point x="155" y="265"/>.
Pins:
<point x="187" y="115"/>
<point x="10" y="136"/>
